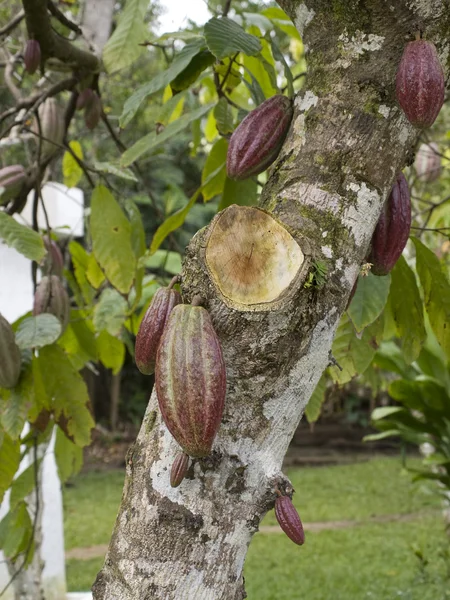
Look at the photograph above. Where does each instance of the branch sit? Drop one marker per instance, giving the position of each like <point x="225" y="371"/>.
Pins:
<point x="226" y="8"/>
<point x="62" y="18"/>
<point x="13" y="23"/>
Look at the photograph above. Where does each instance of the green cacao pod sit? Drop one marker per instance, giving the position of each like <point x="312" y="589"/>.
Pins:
<point x="51" y="297"/>
<point x="190" y="379"/>
<point x="52" y="127"/>
<point x="289" y="520"/>
<point x="257" y="141"/>
<point x="11" y="181"/>
<point x="152" y="327"/>
<point x="9" y="355"/>
<point x="54" y="262"/>
<point x="32" y="56"/>
<point x="420" y="83"/>
<point x="392" y="230"/>
<point x="93" y="111"/>
<point x="428" y="162"/>
<point x="179" y="469"/>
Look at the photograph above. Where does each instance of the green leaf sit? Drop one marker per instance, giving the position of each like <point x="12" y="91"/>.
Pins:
<point x="78" y="340"/>
<point x="278" y="55"/>
<point x="22" y="238"/>
<point x="15" y="531"/>
<point x="374" y="437"/>
<point x="436" y="289"/>
<point x="407" y="392"/>
<point x="111" y="351"/>
<point x="111" y="243"/>
<point x="216" y="158"/>
<point x="242" y="192"/>
<point x="94" y="274"/>
<point x="137" y="228"/>
<point x="167" y="260"/>
<point x="9" y="462"/>
<point x="35" y="332"/>
<point x="225" y="37"/>
<point x="314" y="406"/>
<point x="123" y="48"/>
<point x="262" y="69"/>
<point x="369" y="300"/>
<point x="385" y="411"/>
<point x="153" y="140"/>
<point x="24" y="484"/>
<point x="18" y="403"/>
<point x="407" y="310"/>
<point x="189" y="75"/>
<point x="110" y="312"/>
<point x="224" y="117"/>
<point x="80" y="260"/>
<point x="171" y="109"/>
<point x="112" y="169"/>
<point x="161" y="80"/>
<point x="68" y="456"/>
<point x="72" y="172"/>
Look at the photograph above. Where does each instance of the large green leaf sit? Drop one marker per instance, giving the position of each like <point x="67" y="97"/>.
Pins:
<point x="68" y="456"/>
<point x="436" y="289"/>
<point x="216" y="158"/>
<point x="314" y="406"/>
<point x="189" y="75"/>
<point x="110" y="312"/>
<point x="111" y="351"/>
<point x="78" y="340"/>
<point x="34" y="332"/>
<point x="153" y="140"/>
<point x="167" y="260"/>
<point x="16" y="530"/>
<point x="161" y="80"/>
<point x="225" y="37"/>
<point x="369" y="300"/>
<point x="407" y="310"/>
<point x="80" y="260"/>
<point x="9" y="462"/>
<point x="72" y="172"/>
<point x="24" y="484"/>
<point x="113" y="169"/>
<point x="22" y="238"/>
<point x="111" y="242"/>
<point x="17" y="403"/>
<point x="224" y="117"/>
<point x="123" y="48"/>
<point x="243" y="192"/>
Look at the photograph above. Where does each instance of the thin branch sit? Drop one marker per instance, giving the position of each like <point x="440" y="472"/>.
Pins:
<point x="226" y="8"/>
<point x="13" y="23"/>
<point x="81" y="164"/>
<point x="62" y="18"/>
<point x="9" y="70"/>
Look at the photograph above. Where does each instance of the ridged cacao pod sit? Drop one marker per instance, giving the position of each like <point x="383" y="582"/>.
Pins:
<point x="54" y="262"/>
<point x="52" y="127"/>
<point x="190" y="379"/>
<point x="32" y="56"/>
<point x="93" y="112"/>
<point x="179" y="469"/>
<point x="289" y="520"/>
<point x="428" y="162"/>
<point x="152" y="327"/>
<point x="420" y="83"/>
<point x="257" y="141"/>
<point x="84" y="98"/>
<point x="392" y="230"/>
<point x="9" y="355"/>
<point x="51" y="297"/>
<point x="11" y="179"/>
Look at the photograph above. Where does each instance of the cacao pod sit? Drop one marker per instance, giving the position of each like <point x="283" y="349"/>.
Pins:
<point x="152" y="327"/>
<point x="32" y="56"/>
<point x="84" y="98"/>
<point x="11" y="180"/>
<point x="9" y="355"/>
<point x="51" y="297"/>
<point x="54" y="262"/>
<point x="93" y="112"/>
<point x="52" y="127"/>
<point x="428" y="162"/>
<point x="257" y="141"/>
<point x="392" y="230"/>
<point x="179" y="469"/>
<point x="190" y="379"/>
<point x="289" y="520"/>
<point x="420" y="83"/>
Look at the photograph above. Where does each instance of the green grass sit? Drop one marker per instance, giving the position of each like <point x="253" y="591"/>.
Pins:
<point x="370" y="561"/>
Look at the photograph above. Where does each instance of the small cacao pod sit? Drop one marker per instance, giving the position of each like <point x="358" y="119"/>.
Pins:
<point x="9" y="355"/>
<point x="93" y="112"/>
<point x="51" y="297"/>
<point x="52" y="127"/>
<point x="11" y="180"/>
<point x="190" y="379"/>
<point x="257" y="141"/>
<point x="152" y="327"/>
<point x="392" y="230"/>
<point x="420" y="83"/>
<point x="32" y="56"/>
<point x="84" y="98"/>
<point x="289" y="520"/>
<point x="428" y="162"/>
<point x="54" y="262"/>
<point x="179" y="469"/>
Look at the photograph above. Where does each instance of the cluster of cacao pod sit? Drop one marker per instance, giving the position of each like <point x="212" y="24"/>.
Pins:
<point x="10" y="361"/>
<point x="179" y="342"/>
<point x="89" y="101"/>
<point x="12" y="179"/>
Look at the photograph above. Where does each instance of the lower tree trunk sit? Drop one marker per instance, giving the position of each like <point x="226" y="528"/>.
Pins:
<point x="347" y="141"/>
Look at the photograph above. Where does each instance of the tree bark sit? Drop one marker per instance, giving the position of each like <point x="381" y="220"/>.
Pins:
<point x="97" y="22"/>
<point x="347" y="141"/>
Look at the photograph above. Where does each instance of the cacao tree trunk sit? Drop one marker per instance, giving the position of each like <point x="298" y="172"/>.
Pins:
<point x="347" y="141"/>
<point x="97" y="22"/>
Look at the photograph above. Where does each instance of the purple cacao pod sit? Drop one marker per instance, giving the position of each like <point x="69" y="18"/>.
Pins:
<point x="420" y="83"/>
<point x="51" y="297"/>
<point x="54" y="262"/>
<point x="11" y="180"/>
<point x="289" y="520"/>
<point x="257" y="141"/>
<point x="428" y="162"/>
<point x="152" y="327"/>
<point x="392" y="230"/>
<point x="9" y="356"/>
<point x="179" y="469"/>
<point x="190" y="379"/>
<point x="32" y="56"/>
<point x="52" y="127"/>
<point x="84" y="98"/>
<point x="93" y="112"/>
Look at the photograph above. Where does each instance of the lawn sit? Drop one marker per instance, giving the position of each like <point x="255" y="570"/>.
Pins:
<point x="379" y="561"/>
